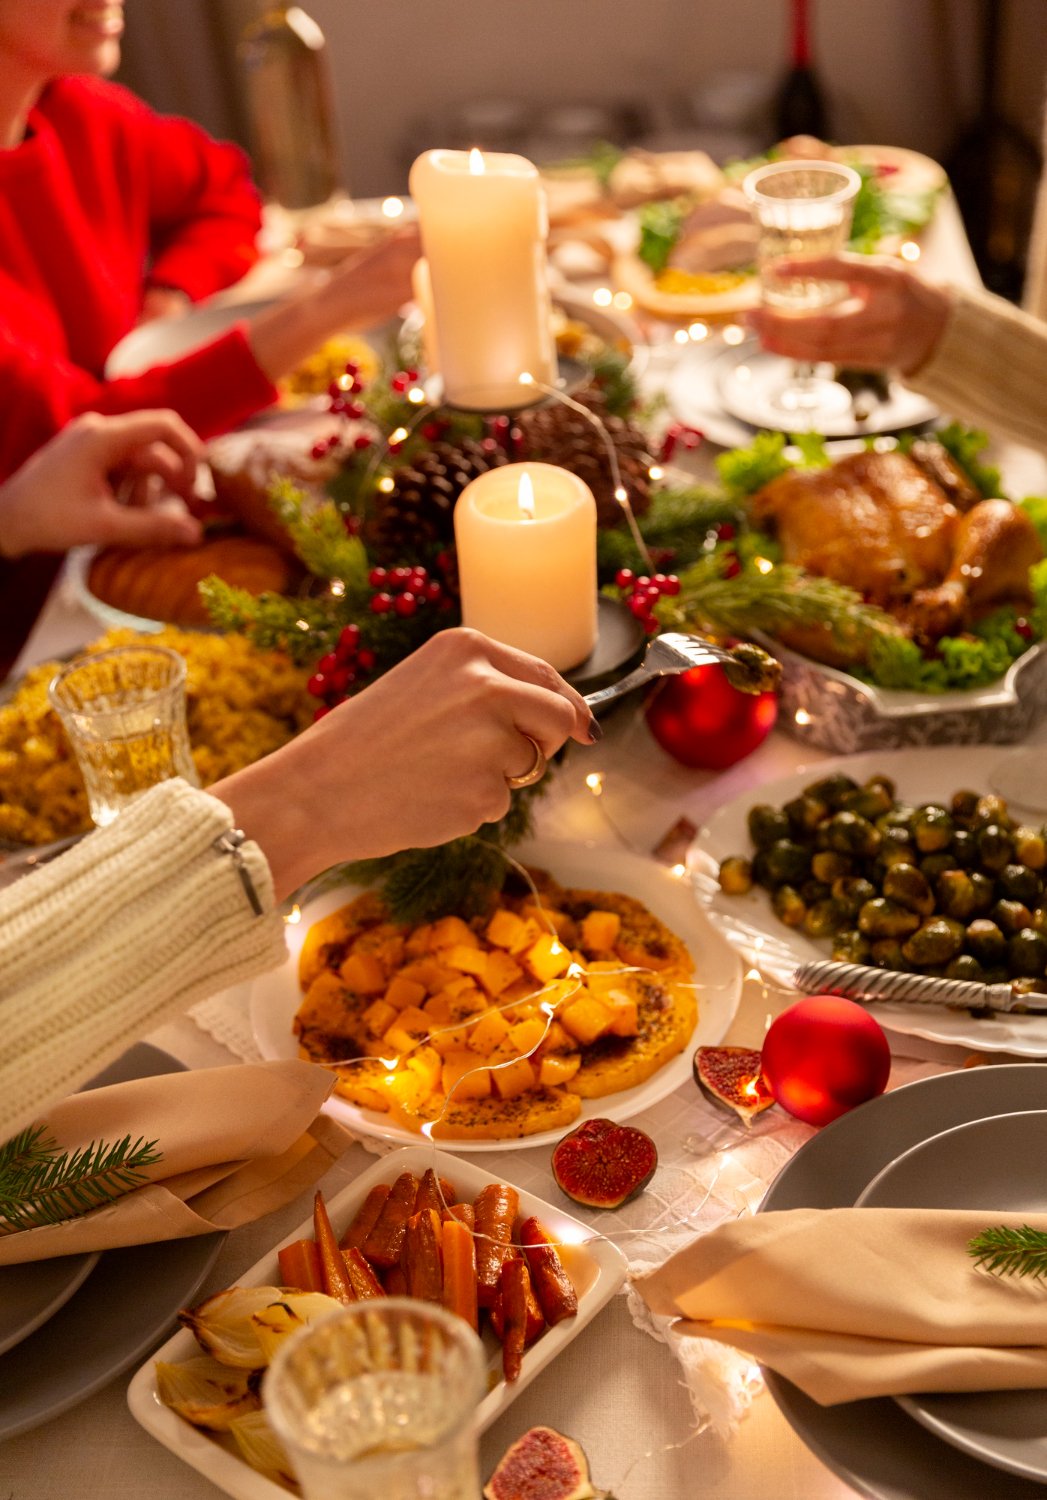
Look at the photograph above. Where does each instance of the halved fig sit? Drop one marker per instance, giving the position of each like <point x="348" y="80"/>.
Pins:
<point x="542" y="1465"/>
<point x="733" y="1077"/>
<point x="602" y="1164"/>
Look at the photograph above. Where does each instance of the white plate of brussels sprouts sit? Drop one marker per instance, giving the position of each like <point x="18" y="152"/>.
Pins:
<point x="903" y="859"/>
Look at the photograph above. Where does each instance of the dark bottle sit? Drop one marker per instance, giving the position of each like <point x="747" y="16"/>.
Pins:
<point x="800" y="107"/>
<point x="288" y="85"/>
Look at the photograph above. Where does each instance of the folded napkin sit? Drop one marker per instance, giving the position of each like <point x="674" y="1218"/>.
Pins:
<point x="855" y="1302"/>
<point x="236" y="1143"/>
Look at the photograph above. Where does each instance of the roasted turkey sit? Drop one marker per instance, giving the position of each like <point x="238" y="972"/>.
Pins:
<point x="908" y="532"/>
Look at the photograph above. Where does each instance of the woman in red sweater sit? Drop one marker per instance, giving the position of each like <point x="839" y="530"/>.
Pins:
<point x="110" y="213"/>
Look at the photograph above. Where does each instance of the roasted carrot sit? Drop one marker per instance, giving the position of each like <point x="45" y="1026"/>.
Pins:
<point x="429" y="1194"/>
<point x="361" y="1277"/>
<point x="459" y="1262"/>
<point x="496" y="1207"/>
<point x="395" y="1282"/>
<point x="335" y="1277"/>
<point x="552" y="1285"/>
<point x="514" y="1278"/>
<point x="421" y="1256"/>
<point x="300" y="1266"/>
<point x="366" y="1218"/>
<point x="385" y="1241"/>
<point x="464" y="1213"/>
<point x="535" y="1320"/>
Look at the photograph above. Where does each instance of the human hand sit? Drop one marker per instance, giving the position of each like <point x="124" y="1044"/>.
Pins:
<point x="416" y="759"/>
<point x="372" y="284"/>
<point x="95" y="482"/>
<point x="163" y="302"/>
<point x="890" y="319"/>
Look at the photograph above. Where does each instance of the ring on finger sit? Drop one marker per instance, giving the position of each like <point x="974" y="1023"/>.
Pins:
<point x="536" y="771"/>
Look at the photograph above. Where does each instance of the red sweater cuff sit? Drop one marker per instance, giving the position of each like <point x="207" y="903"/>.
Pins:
<point x="213" y="388"/>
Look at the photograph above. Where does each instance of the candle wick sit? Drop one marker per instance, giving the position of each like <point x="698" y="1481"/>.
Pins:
<point x="525" y="497"/>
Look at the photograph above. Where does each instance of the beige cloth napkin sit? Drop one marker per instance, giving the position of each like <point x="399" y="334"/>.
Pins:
<point x="855" y="1302"/>
<point x="237" y="1143"/>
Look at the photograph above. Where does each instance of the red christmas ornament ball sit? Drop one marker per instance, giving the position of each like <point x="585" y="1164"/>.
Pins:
<point x="823" y="1056"/>
<point x="702" y="721"/>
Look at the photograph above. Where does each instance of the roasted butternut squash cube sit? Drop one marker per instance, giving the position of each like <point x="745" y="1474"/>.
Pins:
<point x="500" y="971"/>
<point x="466" y="959"/>
<point x="329" y="1007"/>
<point x="624" y="1013"/>
<point x="547" y="958"/>
<point x="445" y="1039"/>
<point x="330" y="933"/>
<point x="527" y="937"/>
<point x="463" y="1075"/>
<point x="586" y="1018"/>
<point x="634" y="953"/>
<point x="403" y="992"/>
<point x="558" y="1068"/>
<point x="600" y="930"/>
<point x="418" y="941"/>
<point x="428" y="972"/>
<point x="406" y="1089"/>
<point x="602" y="975"/>
<point x="545" y="917"/>
<point x="450" y="932"/>
<point x="428" y="1064"/>
<point x="467" y="1002"/>
<point x="409" y="1028"/>
<point x="364" y="974"/>
<point x="526" y="1035"/>
<point x="378" y="1017"/>
<point x="438" y="1009"/>
<point x="513" y="1078"/>
<point x="557" y="1040"/>
<point x="490" y="1029"/>
<point x="504" y="929"/>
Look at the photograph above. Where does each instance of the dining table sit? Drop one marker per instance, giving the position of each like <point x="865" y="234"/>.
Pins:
<point x="615" y="1389"/>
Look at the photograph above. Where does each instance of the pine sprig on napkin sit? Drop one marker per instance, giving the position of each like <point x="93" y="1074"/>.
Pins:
<point x="1010" y="1252"/>
<point x="41" y="1184"/>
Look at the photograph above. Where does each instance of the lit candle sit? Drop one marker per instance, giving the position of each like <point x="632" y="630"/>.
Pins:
<point x="422" y="290"/>
<point x="526" y="542"/>
<point x="484" y="226"/>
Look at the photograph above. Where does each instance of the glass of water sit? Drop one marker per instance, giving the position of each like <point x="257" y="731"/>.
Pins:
<point x="379" y="1400"/>
<point x="802" y="209"/>
<point x="123" y="711"/>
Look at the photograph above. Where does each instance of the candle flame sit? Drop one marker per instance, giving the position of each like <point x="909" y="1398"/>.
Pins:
<point x="476" y="162"/>
<point x="525" y="497"/>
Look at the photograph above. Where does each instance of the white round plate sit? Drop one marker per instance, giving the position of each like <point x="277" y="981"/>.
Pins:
<point x="992" y="1165"/>
<point x="164" y="339"/>
<point x="276" y="996"/>
<point x="751" y="926"/>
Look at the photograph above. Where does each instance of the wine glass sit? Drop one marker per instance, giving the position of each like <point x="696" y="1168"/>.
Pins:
<point x="802" y="209"/>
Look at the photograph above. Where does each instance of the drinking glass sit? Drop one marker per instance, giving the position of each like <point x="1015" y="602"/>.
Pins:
<point x="124" y="713"/>
<point x="802" y="209"/>
<point x="379" y="1400"/>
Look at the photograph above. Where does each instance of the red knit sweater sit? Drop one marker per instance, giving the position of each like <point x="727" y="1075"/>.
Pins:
<point x="102" y="199"/>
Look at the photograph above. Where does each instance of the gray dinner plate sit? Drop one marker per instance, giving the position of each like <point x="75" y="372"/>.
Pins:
<point x="122" y="1310"/>
<point x="874" y="1445"/>
<point x="994" y="1165"/>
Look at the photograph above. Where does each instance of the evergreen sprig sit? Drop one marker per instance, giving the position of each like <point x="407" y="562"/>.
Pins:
<point x="675" y="528"/>
<point x="1010" y="1252"/>
<point x="42" y="1184"/>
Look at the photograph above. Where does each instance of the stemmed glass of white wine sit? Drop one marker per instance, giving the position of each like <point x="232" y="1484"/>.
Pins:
<point x="802" y="209"/>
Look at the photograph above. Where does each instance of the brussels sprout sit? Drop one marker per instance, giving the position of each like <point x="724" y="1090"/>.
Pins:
<point x="849" y="947"/>
<point x="1039" y="919"/>
<point x="964" y="807"/>
<point x="938" y="940"/>
<point x="805" y="813"/>
<point x="992" y="809"/>
<point x="1019" y="883"/>
<point x="899" y="816"/>
<point x="788" y="863"/>
<point x="885" y="782"/>
<point x="789" y="906"/>
<point x="1027" y="952"/>
<point x="868" y="801"/>
<point x="964" y="966"/>
<point x="986" y="942"/>
<point x="852" y="892"/>
<point x="932" y="828"/>
<point x="880" y="918"/>
<point x="886" y="953"/>
<point x="848" y="833"/>
<point x="815" y="890"/>
<point x="824" y="918"/>
<point x="964" y="849"/>
<point x="1030" y="848"/>
<point x="832" y="789"/>
<point x="957" y="895"/>
<point x="736" y="875"/>
<point x="897" y="848"/>
<point x="995" y="846"/>
<point x="935" y="865"/>
<point x="984" y="892"/>
<point x="1011" y="916"/>
<point x="767" y="825"/>
<point x="908" y="886"/>
<point x="828" y="865"/>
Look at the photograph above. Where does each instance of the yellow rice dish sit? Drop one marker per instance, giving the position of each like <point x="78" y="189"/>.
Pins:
<point x="242" y="703"/>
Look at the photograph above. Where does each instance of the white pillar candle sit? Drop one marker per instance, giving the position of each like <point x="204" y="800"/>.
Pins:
<point x="422" y="290"/>
<point x="526" y="542"/>
<point x="484" y="227"/>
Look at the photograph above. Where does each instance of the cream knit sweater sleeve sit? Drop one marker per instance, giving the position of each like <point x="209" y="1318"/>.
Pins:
<point x="111" y="939"/>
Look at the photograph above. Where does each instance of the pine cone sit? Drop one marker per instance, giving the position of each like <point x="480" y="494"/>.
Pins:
<point x="417" y="515"/>
<point x="556" y="434"/>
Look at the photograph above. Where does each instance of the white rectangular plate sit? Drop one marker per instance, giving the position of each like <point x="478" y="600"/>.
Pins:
<point x="596" y="1267"/>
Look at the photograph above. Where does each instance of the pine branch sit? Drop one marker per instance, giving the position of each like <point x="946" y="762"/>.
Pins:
<point x="1010" y="1252"/>
<point x="23" y="1153"/>
<point x="272" y="621"/>
<point x="675" y="528"/>
<point x="44" y="1185"/>
<point x="319" y="535"/>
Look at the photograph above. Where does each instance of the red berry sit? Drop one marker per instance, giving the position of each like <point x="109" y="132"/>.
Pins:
<point x="432" y="592"/>
<point x="318" y="450"/>
<point x="667" y="449"/>
<point x="355" y="409"/>
<point x="377" y="577"/>
<point x="341" y="679"/>
<point x="321" y="712"/>
<point x="650" y="625"/>
<point x="419" y="578"/>
<point x="365" y="658"/>
<point x="352" y="369"/>
<point x="405" y="604"/>
<point x="732" y="567"/>
<point x="317" y="685"/>
<point x="401" y="576"/>
<point x="327" y="663"/>
<point x="726" y="531"/>
<point x="381" y="604"/>
<point x="334" y="390"/>
<point x="500" y="424"/>
<point x="1023" y="628"/>
<point x="653" y="592"/>
<point x="691" y="438"/>
<point x="642" y="581"/>
<point x="432" y="431"/>
<point x="361" y="442"/>
<point x="412" y="375"/>
<point x="671" y="586"/>
<point x="445" y="561"/>
<point x="349" y="639"/>
<point x="640" y="606"/>
<point x="625" y="578"/>
<point x="399" y="383"/>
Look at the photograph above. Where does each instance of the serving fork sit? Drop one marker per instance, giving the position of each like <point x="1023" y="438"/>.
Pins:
<point x="668" y="654"/>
